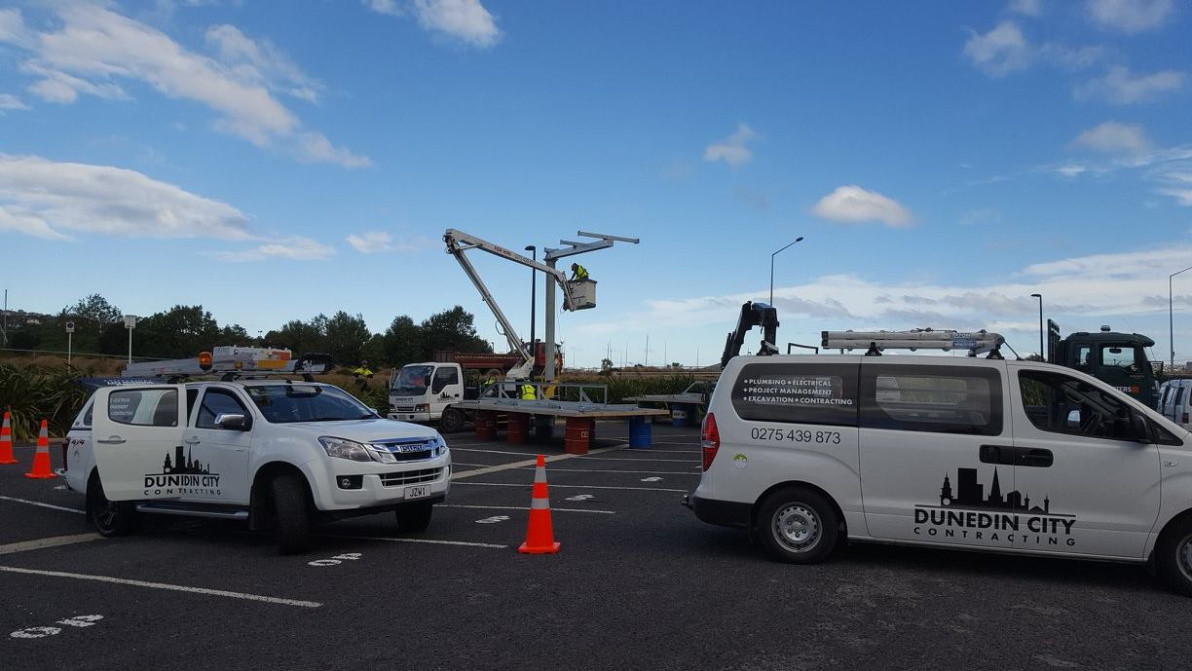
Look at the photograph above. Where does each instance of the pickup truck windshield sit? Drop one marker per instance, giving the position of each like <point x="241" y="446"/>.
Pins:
<point x="286" y="403"/>
<point x="412" y="380"/>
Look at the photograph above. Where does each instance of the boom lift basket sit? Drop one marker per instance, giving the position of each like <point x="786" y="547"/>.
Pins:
<point x="583" y="293"/>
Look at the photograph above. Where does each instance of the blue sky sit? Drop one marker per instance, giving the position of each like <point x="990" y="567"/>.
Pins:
<point x="943" y="161"/>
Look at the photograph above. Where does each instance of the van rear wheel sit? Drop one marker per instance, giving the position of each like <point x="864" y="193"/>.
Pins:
<point x="798" y="525"/>
<point x="1173" y="557"/>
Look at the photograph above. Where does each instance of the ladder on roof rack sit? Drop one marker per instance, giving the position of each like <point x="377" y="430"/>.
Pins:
<point x="875" y="342"/>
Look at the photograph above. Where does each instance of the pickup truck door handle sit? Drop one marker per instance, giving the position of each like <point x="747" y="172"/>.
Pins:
<point x="1034" y="456"/>
<point x="997" y="454"/>
<point x="113" y="440"/>
<point x="191" y="440"/>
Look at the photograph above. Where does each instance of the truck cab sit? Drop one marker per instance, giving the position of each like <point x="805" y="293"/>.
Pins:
<point x="1118" y="359"/>
<point x="420" y="392"/>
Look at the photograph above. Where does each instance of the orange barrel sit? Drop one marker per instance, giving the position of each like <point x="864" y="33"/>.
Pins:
<point x="486" y="425"/>
<point x="518" y="427"/>
<point x="579" y="433"/>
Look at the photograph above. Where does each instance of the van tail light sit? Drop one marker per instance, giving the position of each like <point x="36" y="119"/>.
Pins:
<point x="709" y="440"/>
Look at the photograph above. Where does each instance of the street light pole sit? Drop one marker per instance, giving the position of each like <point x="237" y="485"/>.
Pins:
<point x="1042" y="354"/>
<point x="1171" y="316"/>
<point x="533" y="297"/>
<point x="798" y="239"/>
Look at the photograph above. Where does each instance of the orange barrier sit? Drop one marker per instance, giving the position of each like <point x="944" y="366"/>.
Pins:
<point x="6" y="441"/>
<point x="41" y="460"/>
<point x="540" y="537"/>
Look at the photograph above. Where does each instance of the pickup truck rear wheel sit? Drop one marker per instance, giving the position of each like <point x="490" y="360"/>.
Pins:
<point x="290" y="511"/>
<point x="414" y="518"/>
<point x="111" y="518"/>
<point x="452" y="420"/>
<point x="797" y="525"/>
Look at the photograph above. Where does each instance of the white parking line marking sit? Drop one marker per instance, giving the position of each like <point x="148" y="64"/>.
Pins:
<point x="635" y="489"/>
<point x="494" y="519"/>
<point x="465" y="449"/>
<point x="165" y="586"/>
<point x="653" y="479"/>
<point x="418" y="540"/>
<point x="597" y="470"/>
<point x="527" y="462"/>
<point x="43" y="505"/>
<point x="52" y="542"/>
<point x="656" y="461"/>
<point x="581" y="497"/>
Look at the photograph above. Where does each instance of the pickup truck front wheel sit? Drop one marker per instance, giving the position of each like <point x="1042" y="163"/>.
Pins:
<point x="290" y="511"/>
<point x="111" y="518"/>
<point x="414" y="518"/>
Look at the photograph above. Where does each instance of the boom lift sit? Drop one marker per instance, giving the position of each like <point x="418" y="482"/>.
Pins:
<point x="752" y="314"/>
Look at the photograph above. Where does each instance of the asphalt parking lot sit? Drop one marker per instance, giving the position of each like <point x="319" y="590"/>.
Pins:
<point x="638" y="583"/>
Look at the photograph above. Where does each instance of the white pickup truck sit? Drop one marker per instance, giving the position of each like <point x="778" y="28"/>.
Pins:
<point x="276" y="453"/>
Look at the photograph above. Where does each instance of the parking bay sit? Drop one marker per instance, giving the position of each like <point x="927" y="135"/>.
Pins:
<point x="639" y="581"/>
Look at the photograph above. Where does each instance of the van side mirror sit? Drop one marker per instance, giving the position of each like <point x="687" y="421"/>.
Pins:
<point x="233" y="422"/>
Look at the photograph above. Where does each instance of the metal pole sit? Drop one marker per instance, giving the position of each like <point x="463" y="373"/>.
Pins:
<point x="1042" y="354"/>
<point x="69" y="342"/>
<point x="548" y="370"/>
<point x="798" y="239"/>
<point x="130" y="345"/>
<point x="1171" y="316"/>
<point x="4" y="329"/>
<point x="533" y="297"/>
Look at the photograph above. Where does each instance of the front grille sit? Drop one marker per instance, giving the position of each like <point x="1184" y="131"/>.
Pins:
<point x="408" y="449"/>
<point x="403" y="408"/>
<point x="410" y="477"/>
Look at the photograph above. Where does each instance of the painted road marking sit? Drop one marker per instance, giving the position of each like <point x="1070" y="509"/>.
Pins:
<point x="464" y="449"/>
<point x="654" y="461"/>
<point x="597" y="470"/>
<point x="79" y="621"/>
<point x="419" y="540"/>
<point x="164" y="586"/>
<point x="553" y="486"/>
<point x="494" y="519"/>
<point x="43" y="505"/>
<point x="54" y="541"/>
<point x="527" y="462"/>
<point x="581" y="497"/>
<point x="653" y="479"/>
<point x="337" y="559"/>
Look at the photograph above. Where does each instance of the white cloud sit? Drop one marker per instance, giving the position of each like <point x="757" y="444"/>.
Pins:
<point x="377" y="242"/>
<point x="1071" y="170"/>
<point x="292" y="249"/>
<point x="1178" y="185"/>
<point x="385" y="7"/>
<point x="980" y="217"/>
<point x="316" y="148"/>
<point x="1121" y="87"/>
<point x="851" y="204"/>
<point x="466" y="20"/>
<point x="1027" y="7"/>
<point x="50" y="200"/>
<point x="732" y="149"/>
<point x="1129" y="16"/>
<point x="1115" y="138"/>
<point x="95" y="48"/>
<point x="1002" y="50"/>
<point x="10" y="102"/>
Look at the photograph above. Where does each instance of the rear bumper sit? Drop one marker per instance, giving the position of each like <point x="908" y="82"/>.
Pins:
<point x="721" y="513"/>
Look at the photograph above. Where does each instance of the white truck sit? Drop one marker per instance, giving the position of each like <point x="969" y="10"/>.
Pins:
<point x="425" y="392"/>
<point x="277" y="453"/>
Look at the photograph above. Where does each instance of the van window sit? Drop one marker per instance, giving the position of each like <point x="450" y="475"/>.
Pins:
<point x="1179" y="396"/>
<point x="1163" y="395"/>
<point x="797" y="393"/>
<point x="144" y="407"/>
<point x="444" y="376"/>
<point x="951" y="399"/>
<point x="1057" y="403"/>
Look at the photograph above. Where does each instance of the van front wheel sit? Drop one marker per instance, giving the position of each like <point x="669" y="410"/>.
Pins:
<point x="1173" y="557"/>
<point x="798" y="526"/>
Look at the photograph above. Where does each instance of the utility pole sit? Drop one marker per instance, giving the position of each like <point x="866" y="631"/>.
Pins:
<point x="798" y="239"/>
<point x="1042" y="354"/>
<point x="533" y="297"/>
<point x="4" y="327"/>
<point x="646" y="363"/>
<point x="1171" y="316"/>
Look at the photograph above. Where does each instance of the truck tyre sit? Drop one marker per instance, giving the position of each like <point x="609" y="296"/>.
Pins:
<point x="1173" y="556"/>
<point x="414" y="518"/>
<point x="111" y="518"/>
<point x="797" y="525"/>
<point x="291" y="513"/>
<point x="452" y="420"/>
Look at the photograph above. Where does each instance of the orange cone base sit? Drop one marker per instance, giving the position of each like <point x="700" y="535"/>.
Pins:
<point x="41" y="468"/>
<point x="41" y="476"/>
<point x="8" y="462"/>
<point x="539" y="550"/>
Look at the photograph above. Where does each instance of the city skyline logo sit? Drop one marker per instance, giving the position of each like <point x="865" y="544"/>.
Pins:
<point x="182" y="475"/>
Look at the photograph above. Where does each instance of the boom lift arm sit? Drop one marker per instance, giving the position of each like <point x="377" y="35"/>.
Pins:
<point x="752" y="314"/>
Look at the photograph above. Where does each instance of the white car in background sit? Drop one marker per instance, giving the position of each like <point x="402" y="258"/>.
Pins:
<point x="279" y="454"/>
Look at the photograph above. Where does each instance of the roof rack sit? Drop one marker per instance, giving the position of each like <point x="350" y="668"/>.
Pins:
<point x="875" y="342"/>
<point x="230" y="363"/>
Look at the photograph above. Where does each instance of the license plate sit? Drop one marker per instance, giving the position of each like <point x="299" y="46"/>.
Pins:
<point x="418" y="492"/>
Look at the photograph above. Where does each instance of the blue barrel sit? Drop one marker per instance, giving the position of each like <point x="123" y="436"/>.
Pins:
<point x="640" y="435"/>
<point x="679" y="415"/>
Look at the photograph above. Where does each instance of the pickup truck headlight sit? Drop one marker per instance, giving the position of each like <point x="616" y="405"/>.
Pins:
<point x="342" y="448"/>
<point x="440" y="447"/>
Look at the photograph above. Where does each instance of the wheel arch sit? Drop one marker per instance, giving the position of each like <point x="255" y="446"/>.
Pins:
<point x="260" y="506"/>
<point x="1168" y="528"/>
<point x="798" y="484"/>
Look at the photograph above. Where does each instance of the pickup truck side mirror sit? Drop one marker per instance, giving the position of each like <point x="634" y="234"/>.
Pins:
<point x="233" y="422"/>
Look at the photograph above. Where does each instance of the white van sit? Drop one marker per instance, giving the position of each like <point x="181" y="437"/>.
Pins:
<point x="971" y="453"/>
<point x="1175" y="402"/>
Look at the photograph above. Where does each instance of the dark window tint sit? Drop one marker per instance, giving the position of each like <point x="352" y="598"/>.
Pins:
<point x="443" y="377"/>
<point x="1179" y="396"/>
<point x="218" y="402"/>
<point x="1057" y="403"/>
<point x="797" y="393"/>
<point x="90" y="414"/>
<point x="144" y="407"/>
<point x="1084" y="357"/>
<point x="940" y="399"/>
<point x="192" y="395"/>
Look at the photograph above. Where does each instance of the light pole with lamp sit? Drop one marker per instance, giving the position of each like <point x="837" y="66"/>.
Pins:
<point x="1171" y="316"/>
<point x="130" y="323"/>
<point x="533" y="298"/>
<point x="798" y="239"/>
<point x="1042" y="354"/>
<point x="69" y="340"/>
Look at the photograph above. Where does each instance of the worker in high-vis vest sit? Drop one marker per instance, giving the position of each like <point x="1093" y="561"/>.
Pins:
<point x="578" y="272"/>
<point x="527" y="392"/>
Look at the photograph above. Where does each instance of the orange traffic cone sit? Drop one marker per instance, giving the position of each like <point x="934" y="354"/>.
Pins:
<point x="6" y="441"/>
<point x="540" y="538"/>
<point x="41" y="460"/>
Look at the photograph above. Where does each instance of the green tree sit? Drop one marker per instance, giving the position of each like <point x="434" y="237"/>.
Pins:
<point x="346" y="335"/>
<point x="402" y="341"/>
<point x="300" y="336"/>
<point x="452" y="330"/>
<point x="92" y="316"/>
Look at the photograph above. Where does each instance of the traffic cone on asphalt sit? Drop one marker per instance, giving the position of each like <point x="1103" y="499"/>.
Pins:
<point x="6" y="441"/>
<point x="41" y="460"/>
<point x="540" y="538"/>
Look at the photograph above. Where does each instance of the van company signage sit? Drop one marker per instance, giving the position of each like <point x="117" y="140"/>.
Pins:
<point x="182" y="476"/>
<point x="969" y="514"/>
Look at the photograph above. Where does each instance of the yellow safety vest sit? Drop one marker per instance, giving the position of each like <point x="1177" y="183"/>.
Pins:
<point x="527" y="392"/>
<point x="581" y="273"/>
